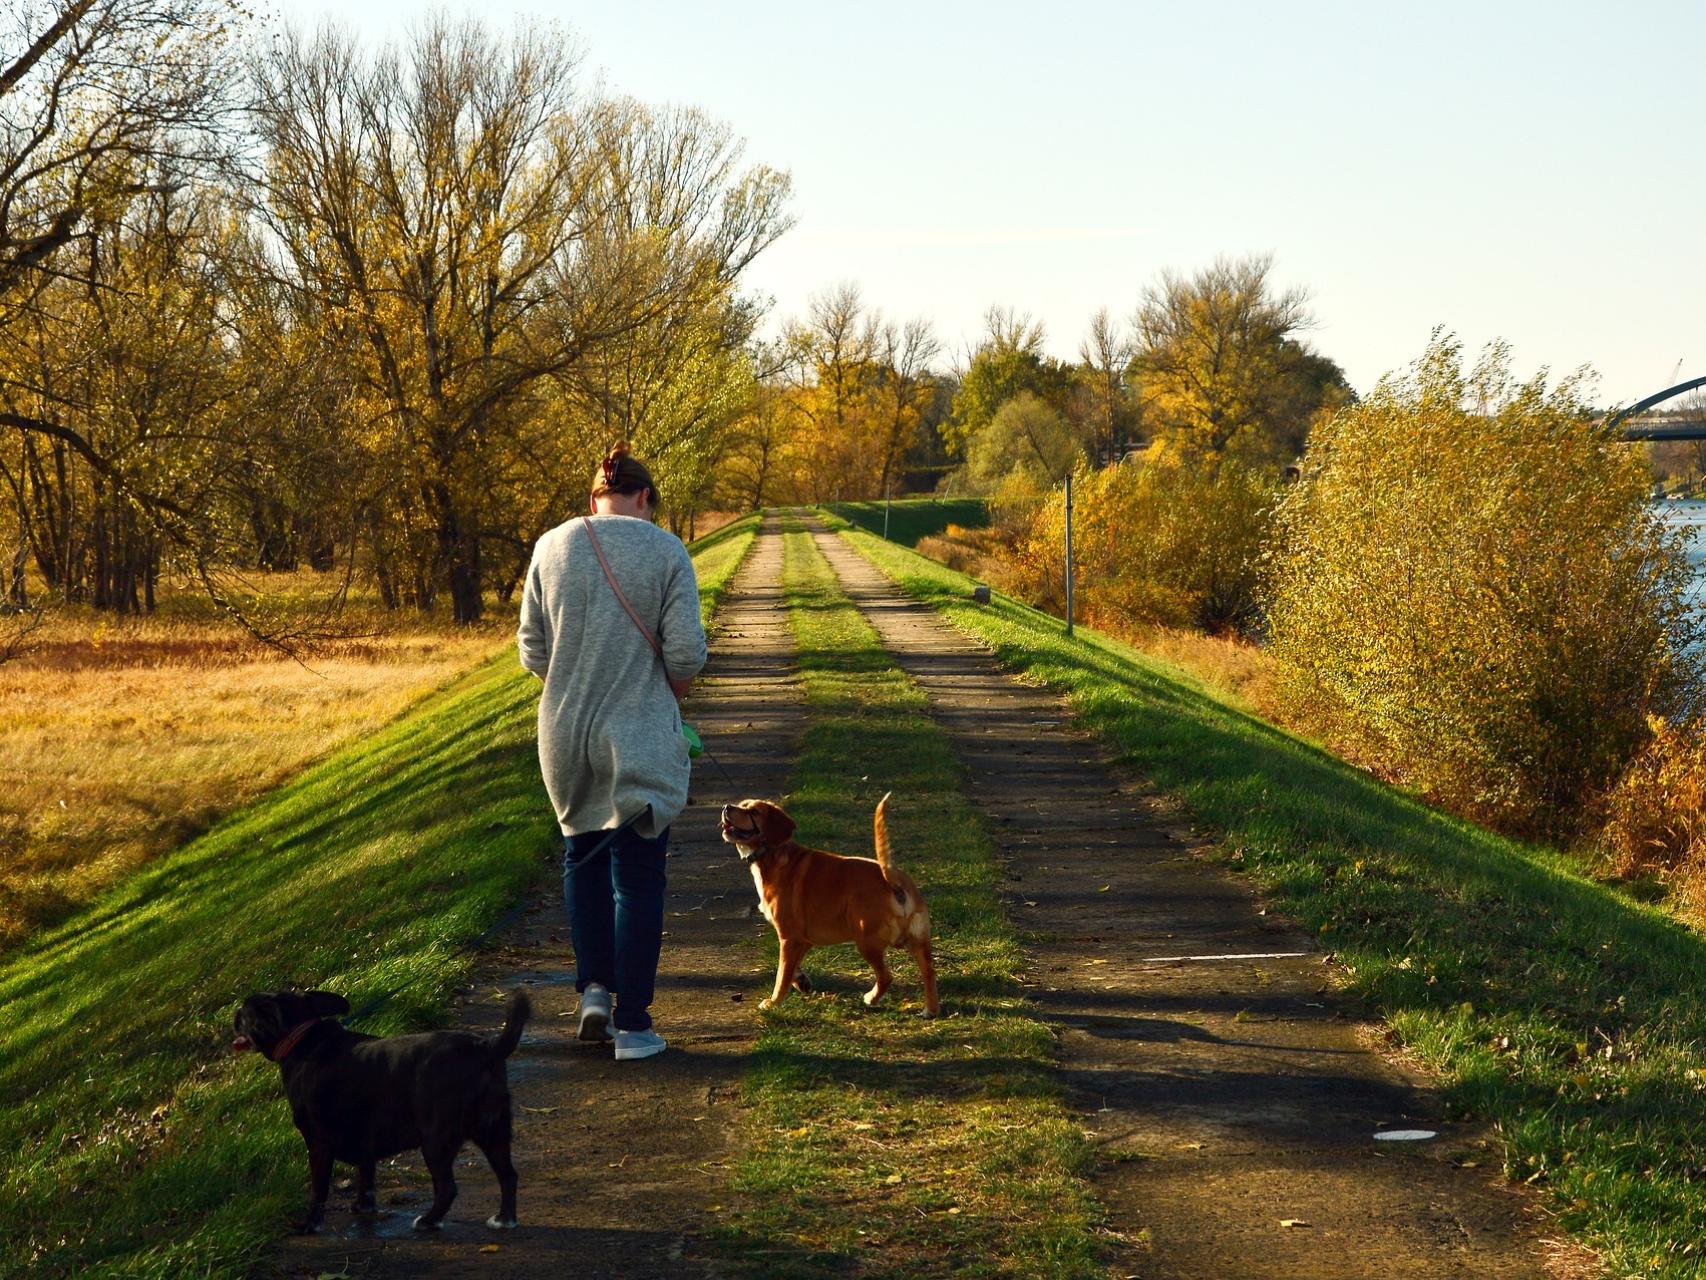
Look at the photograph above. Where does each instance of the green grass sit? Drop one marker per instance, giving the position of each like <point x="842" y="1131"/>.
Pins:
<point x="880" y="1141"/>
<point x="913" y="518"/>
<point x="137" y="1145"/>
<point x="1569" y="1016"/>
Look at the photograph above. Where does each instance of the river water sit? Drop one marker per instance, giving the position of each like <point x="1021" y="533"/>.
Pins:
<point x="1692" y="517"/>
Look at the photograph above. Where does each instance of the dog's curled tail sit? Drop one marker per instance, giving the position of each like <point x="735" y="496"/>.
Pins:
<point x="515" y="1018"/>
<point x="880" y="826"/>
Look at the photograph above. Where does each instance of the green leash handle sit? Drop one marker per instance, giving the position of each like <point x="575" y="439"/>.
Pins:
<point x="695" y="744"/>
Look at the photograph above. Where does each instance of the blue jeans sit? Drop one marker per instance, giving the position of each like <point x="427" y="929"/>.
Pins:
<point x="615" y="906"/>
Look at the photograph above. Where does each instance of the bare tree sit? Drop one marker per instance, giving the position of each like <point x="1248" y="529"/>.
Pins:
<point x="100" y="100"/>
<point x="905" y="353"/>
<point x="1106" y="353"/>
<point x="486" y="230"/>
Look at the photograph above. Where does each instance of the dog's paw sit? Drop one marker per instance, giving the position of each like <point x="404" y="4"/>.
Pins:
<point x="501" y="1224"/>
<point x="766" y="1003"/>
<point x="423" y="1223"/>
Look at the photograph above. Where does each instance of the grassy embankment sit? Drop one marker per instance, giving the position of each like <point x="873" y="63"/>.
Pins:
<point x="1569" y="1016"/>
<point x="879" y="1140"/>
<point x="911" y="519"/>
<point x="140" y="1147"/>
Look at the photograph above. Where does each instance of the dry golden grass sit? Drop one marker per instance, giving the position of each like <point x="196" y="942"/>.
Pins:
<point x="1655" y="818"/>
<point x="1229" y="665"/>
<point x="120" y="737"/>
<point x="979" y="552"/>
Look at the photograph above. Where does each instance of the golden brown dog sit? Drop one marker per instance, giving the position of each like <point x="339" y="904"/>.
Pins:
<point x="816" y="899"/>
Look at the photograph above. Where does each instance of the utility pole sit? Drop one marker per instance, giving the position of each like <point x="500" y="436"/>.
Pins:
<point x="1069" y="553"/>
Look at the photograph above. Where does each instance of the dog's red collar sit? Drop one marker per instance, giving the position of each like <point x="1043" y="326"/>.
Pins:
<point x="281" y="1050"/>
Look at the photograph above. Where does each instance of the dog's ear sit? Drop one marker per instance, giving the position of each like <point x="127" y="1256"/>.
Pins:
<point x="326" y="1004"/>
<point x="775" y="826"/>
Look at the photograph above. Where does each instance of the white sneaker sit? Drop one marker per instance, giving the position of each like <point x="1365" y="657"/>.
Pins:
<point x="595" y="1013"/>
<point x="638" y="1044"/>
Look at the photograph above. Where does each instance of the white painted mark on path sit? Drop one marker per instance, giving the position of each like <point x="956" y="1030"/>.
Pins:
<point x="1243" y="955"/>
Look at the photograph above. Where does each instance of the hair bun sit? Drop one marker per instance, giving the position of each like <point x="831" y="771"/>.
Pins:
<point x="621" y="472"/>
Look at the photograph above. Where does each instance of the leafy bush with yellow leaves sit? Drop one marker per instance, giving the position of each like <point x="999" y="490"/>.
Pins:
<point x="1655" y="820"/>
<point x="1474" y="596"/>
<point x="1172" y="542"/>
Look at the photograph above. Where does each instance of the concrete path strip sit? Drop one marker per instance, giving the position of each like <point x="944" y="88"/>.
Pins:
<point x="620" y="1163"/>
<point x="1234" y="1091"/>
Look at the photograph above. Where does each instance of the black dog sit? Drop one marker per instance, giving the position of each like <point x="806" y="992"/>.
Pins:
<point x="360" y="1099"/>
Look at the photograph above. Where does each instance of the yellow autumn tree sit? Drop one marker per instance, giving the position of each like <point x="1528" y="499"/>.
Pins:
<point x="855" y="387"/>
<point x="1474" y="595"/>
<point x="1157" y="541"/>
<point x="1221" y="369"/>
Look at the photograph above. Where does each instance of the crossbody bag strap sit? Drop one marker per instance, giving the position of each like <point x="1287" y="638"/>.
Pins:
<point x="620" y="598"/>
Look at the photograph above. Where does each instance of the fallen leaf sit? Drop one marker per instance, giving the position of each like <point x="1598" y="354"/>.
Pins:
<point x="955" y="1209"/>
<point x="893" y="1180"/>
<point x="542" y="1111"/>
<point x="713" y="1208"/>
<point x="1190" y="1146"/>
<point x="490" y="1248"/>
<point x="1104" y="888"/>
<point x="1293" y="1222"/>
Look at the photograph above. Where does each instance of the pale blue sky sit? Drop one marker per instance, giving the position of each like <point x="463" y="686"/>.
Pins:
<point x="1532" y="171"/>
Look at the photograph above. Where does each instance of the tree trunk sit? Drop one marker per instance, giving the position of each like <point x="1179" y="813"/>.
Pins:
<point x="18" y="587"/>
<point x="466" y="595"/>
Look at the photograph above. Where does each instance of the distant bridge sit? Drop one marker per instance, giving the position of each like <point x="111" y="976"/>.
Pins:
<point x="1684" y="426"/>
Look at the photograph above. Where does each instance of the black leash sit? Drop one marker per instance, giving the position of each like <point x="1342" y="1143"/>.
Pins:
<point x="713" y="759"/>
<point x="605" y="843"/>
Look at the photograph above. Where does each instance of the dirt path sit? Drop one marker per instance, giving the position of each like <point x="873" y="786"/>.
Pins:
<point x="1235" y="1094"/>
<point x="618" y="1161"/>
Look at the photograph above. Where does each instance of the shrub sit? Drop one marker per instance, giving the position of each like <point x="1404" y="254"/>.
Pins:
<point x="1164" y="542"/>
<point x="962" y="549"/>
<point x="1474" y="595"/>
<point x="1027" y="441"/>
<point x="1656" y="815"/>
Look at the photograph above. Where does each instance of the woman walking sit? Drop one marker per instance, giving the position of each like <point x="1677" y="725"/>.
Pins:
<point x="610" y="622"/>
